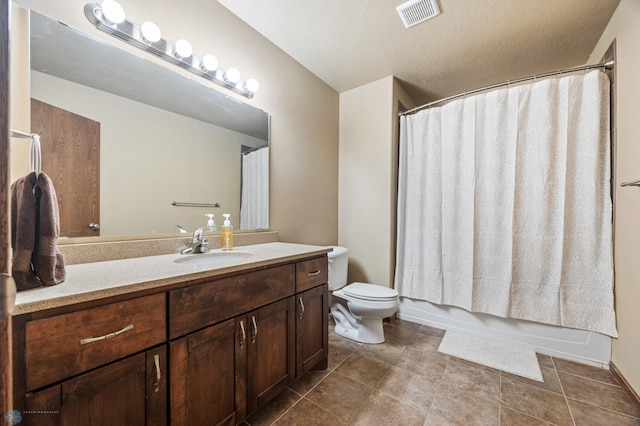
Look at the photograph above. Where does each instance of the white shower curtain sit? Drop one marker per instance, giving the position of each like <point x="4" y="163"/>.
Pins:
<point x="254" y="208"/>
<point x="504" y="204"/>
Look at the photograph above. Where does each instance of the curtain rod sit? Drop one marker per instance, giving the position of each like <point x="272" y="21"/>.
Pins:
<point x="607" y="65"/>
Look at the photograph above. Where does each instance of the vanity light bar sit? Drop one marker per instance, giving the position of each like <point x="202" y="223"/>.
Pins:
<point x="148" y="37"/>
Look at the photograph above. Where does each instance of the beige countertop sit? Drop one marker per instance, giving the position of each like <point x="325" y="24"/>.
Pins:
<point x="92" y="281"/>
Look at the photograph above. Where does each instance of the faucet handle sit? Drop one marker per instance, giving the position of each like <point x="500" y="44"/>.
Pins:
<point x="197" y="235"/>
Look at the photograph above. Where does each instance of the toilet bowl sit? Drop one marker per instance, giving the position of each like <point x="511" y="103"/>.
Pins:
<point x="358" y="308"/>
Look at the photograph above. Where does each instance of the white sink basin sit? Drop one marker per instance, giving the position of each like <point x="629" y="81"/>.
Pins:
<point x="213" y="257"/>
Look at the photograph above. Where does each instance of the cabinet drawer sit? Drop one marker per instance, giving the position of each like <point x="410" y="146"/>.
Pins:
<point x="198" y="306"/>
<point x="311" y="273"/>
<point x="65" y="345"/>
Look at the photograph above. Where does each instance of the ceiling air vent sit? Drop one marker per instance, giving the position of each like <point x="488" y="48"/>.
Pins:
<point x="415" y="11"/>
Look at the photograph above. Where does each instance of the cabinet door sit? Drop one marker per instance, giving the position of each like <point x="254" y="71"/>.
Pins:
<point x="202" y="390"/>
<point x="271" y="352"/>
<point x="312" y="342"/>
<point x="111" y="395"/>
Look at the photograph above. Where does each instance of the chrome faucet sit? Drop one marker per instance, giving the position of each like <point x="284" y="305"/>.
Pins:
<point x="198" y="244"/>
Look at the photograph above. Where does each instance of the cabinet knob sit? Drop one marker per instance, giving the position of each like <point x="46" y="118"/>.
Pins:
<point x="94" y="226"/>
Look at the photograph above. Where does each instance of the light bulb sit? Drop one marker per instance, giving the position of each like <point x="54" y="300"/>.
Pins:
<point x="252" y="85"/>
<point x="232" y="75"/>
<point x="112" y="11"/>
<point x="209" y="63"/>
<point x="182" y="49"/>
<point x="150" y="32"/>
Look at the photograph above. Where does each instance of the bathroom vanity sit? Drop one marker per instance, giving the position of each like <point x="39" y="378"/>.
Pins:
<point x="184" y="344"/>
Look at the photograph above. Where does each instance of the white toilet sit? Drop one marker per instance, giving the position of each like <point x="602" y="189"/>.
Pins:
<point x="358" y="308"/>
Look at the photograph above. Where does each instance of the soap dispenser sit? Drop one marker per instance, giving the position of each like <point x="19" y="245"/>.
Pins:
<point x="210" y="223"/>
<point x="226" y="239"/>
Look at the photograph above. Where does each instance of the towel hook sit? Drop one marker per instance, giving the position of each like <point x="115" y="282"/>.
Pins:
<point x="35" y="154"/>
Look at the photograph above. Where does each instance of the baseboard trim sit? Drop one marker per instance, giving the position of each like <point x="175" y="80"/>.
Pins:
<point x="625" y="383"/>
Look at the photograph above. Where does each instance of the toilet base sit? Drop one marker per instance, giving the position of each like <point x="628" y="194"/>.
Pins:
<point x="363" y="330"/>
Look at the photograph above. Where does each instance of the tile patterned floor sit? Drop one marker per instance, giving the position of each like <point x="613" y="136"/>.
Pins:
<point x="406" y="381"/>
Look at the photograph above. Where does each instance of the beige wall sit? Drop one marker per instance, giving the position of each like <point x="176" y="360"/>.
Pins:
<point x="304" y="110"/>
<point x="625" y="28"/>
<point x="400" y="100"/>
<point x="19" y="118"/>
<point x="367" y="176"/>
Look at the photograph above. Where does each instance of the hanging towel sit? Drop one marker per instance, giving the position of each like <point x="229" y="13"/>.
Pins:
<point x="23" y="231"/>
<point x="34" y="233"/>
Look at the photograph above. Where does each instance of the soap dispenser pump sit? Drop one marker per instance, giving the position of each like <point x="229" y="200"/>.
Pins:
<point x="226" y="238"/>
<point x="210" y="223"/>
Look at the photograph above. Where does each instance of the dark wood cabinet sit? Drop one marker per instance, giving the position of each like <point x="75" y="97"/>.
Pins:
<point x="203" y="377"/>
<point x="61" y="346"/>
<point x="208" y="352"/>
<point x="130" y="391"/>
<point x="312" y="341"/>
<point x="312" y="305"/>
<point x="270" y="352"/>
<point x="221" y="374"/>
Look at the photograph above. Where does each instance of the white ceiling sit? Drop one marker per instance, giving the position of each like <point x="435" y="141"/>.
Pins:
<point x="473" y="43"/>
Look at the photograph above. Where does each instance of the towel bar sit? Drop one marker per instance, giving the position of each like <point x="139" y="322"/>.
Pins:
<point x="177" y="204"/>
<point x="631" y="183"/>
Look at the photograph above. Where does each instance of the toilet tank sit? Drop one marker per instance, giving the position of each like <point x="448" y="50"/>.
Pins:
<point x="338" y="262"/>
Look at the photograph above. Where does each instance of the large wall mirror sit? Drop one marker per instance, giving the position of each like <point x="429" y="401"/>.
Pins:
<point x="137" y="137"/>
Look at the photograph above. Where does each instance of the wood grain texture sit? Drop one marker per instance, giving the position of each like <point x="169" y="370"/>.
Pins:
<point x="312" y="342"/>
<point x="71" y="158"/>
<point x="54" y="351"/>
<point x="92" y="398"/>
<point x="203" y="378"/>
<point x="48" y="401"/>
<point x="197" y="306"/>
<point x="270" y="351"/>
<point x="311" y="273"/>
<point x="242" y="344"/>
<point x="157" y="402"/>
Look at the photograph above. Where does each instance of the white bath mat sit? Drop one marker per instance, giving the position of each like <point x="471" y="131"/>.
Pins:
<point x="501" y="356"/>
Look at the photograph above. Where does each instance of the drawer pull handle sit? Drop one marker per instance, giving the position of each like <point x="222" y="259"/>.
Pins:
<point x="301" y="308"/>
<point x="314" y="273"/>
<point x="106" y="336"/>
<point x="255" y="329"/>
<point x="156" y="361"/>
<point x="244" y="334"/>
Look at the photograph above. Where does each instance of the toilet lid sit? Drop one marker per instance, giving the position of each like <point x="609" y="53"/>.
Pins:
<point x="370" y="292"/>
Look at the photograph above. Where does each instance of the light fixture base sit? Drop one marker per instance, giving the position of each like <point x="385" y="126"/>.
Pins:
<point x="131" y="32"/>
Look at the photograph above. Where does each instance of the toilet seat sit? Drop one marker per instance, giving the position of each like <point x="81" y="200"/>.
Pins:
<point x="372" y="292"/>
